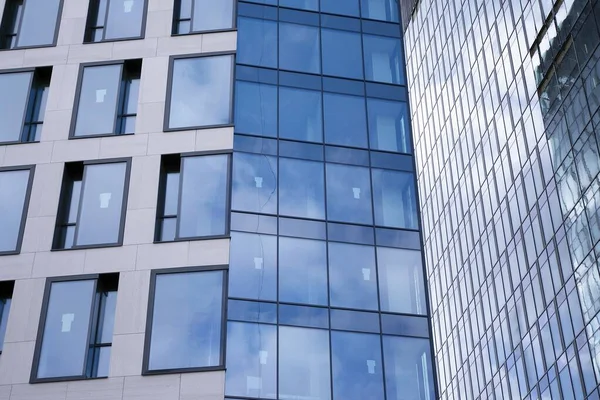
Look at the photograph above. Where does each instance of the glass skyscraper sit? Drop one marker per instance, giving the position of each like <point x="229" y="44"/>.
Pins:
<point x="505" y="99"/>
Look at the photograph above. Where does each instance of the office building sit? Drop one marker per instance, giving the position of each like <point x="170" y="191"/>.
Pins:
<point x="205" y="199"/>
<point x="504" y="98"/>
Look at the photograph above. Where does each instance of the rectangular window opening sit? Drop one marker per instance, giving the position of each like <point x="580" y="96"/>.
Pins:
<point x="194" y="16"/>
<point x="115" y="20"/>
<point x="29" y="23"/>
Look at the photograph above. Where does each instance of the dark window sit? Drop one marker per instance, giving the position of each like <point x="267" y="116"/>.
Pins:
<point x="254" y="183"/>
<point x="92" y="204"/>
<point x="76" y="328"/>
<point x="257" y="42"/>
<point x="200" y="92"/>
<point x="23" y="98"/>
<point x="193" y="16"/>
<point x="384" y="10"/>
<point x="15" y="186"/>
<point x="185" y="320"/>
<point x="29" y="23"/>
<point x="6" y="293"/>
<point x="256" y="109"/>
<point x="194" y="192"/>
<point x="115" y="19"/>
<point x="383" y="59"/>
<point x="107" y="99"/>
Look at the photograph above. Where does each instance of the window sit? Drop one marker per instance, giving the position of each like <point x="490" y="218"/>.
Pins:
<point x="348" y="194"/>
<point x="201" y="209"/>
<point x="301" y="188"/>
<point x="312" y="5"/>
<point x="345" y="120"/>
<point x="394" y="199"/>
<point x="185" y="320"/>
<point x="30" y="23"/>
<point x="200" y="92"/>
<point x="302" y="271"/>
<point x="383" y="59"/>
<point x="253" y="266"/>
<point x="76" y="328"/>
<point x="92" y="206"/>
<point x="346" y="7"/>
<point x="107" y="99"/>
<point x="15" y="188"/>
<point x="193" y="16"/>
<point x="388" y="126"/>
<point x="300" y="114"/>
<point x="299" y="48"/>
<point x="384" y="10"/>
<point x="257" y="42"/>
<point x="256" y="109"/>
<point x="23" y="98"/>
<point x="6" y="292"/>
<point x="115" y="19"/>
<point x="254" y="183"/>
<point x="342" y="53"/>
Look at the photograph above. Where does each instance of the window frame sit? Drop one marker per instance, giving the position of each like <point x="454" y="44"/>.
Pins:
<point x="42" y="325"/>
<point x="21" y="233"/>
<point x="150" y="317"/>
<point x="176" y="20"/>
<point x="89" y="28"/>
<point x="162" y="186"/>
<point x="20" y="24"/>
<point x="169" y="93"/>
<point x="60" y="219"/>
<point x="121" y="99"/>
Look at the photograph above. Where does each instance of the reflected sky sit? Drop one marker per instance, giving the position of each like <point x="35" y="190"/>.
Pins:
<point x="13" y="189"/>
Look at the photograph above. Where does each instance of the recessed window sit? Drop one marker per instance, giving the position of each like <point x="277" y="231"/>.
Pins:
<point x="107" y="99"/>
<point x="185" y="321"/>
<point x="194" y="192"/>
<point x="193" y="16"/>
<point x="115" y="19"/>
<point x="76" y="328"/>
<point x="15" y="187"/>
<point x="23" y="98"/>
<point x="92" y="204"/>
<point x="29" y="23"/>
<point x="6" y="292"/>
<point x="200" y="92"/>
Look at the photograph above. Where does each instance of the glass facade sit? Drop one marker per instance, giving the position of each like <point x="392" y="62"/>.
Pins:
<point x="327" y="298"/>
<point x="504" y="100"/>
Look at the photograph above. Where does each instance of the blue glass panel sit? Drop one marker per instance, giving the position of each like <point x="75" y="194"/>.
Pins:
<point x="404" y="325"/>
<point x="348" y="194"/>
<point x="257" y="42"/>
<point x="256" y="109"/>
<point x="305" y="151"/>
<point x="345" y="120"/>
<point x="300" y="114"/>
<point x="400" y="162"/>
<point x="346" y="86"/>
<point x="301" y="188"/>
<point x="345" y="7"/>
<point x="350" y="233"/>
<point x="388" y="126"/>
<point x="384" y="10"/>
<point x="310" y="317"/>
<point x="397" y="238"/>
<point x="254" y="186"/>
<point x="253" y="266"/>
<point x="383" y="59"/>
<point x="252" y="311"/>
<point x="355" y="321"/>
<point x="13" y="192"/>
<point x="303" y="81"/>
<point x="352" y="276"/>
<point x="252" y="144"/>
<point x="269" y="2"/>
<point x="298" y="16"/>
<point x="4" y="312"/>
<point x="253" y="223"/>
<point x="343" y="155"/>
<point x="394" y="199"/>
<point x="343" y="23"/>
<point x="357" y="366"/>
<point x="255" y="74"/>
<point x="342" y="53"/>
<point x="311" y="5"/>
<point x="299" y="48"/>
<point x="302" y="228"/>
<point x="302" y="271"/>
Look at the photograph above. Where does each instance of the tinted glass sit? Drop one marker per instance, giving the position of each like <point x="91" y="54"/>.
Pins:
<point x="203" y="203"/>
<point x="98" y="98"/>
<point x="107" y="316"/>
<point x="4" y="311"/>
<point x="394" y="199"/>
<point x="172" y="193"/>
<point x="211" y="15"/>
<point x="388" y="125"/>
<point x="301" y="188"/>
<point x="345" y="120"/>
<point x="401" y="281"/>
<point x="39" y="23"/>
<point x="253" y="266"/>
<point x="256" y="109"/>
<point x="352" y="276"/>
<point x="13" y="190"/>
<point x="383" y="61"/>
<point x="357" y="367"/>
<point x="312" y="5"/>
<point x="408" y="372"/>
<point x="257" y="42"/>
<point x="124" y="19"/>
<point x="254" y="183"/>
<point x="300" y="114"/>
<point x="342" y="53"/>
<point x="101" y="204"/>
<point x="384" y="10"/>
<point x="304" y="364"/>
<point x="348" y="194"/>
<point x="302" y="271"/>
<point x="251" y="360"/>
<point x="186" y="320"/>
<point x="14" y="93"/>
<point x="201" y="92"/>
<point x="299" y="48"/>
<point x="66" y="332"/>
<point x="346" y="7"/>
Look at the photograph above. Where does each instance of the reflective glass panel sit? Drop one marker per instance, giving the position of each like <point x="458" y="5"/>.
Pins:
<point x="312" y="5"/>
<point x="14" y="93"/>
<point x="299" y="48"/>
<point x="13" y="190"/>
<point x="186" y="320"/>
<point x="39" y="23"/>
<point x="345" y="120"/>
<point x="394" y="199"/>
<point x="300" y="114"/>
<point x="383" y="59"/>
<point x="388" y="125"/>
<point x="348" y="194"/>
<point x="210" y="15"/>
<point x="124" y="19"/>
<point x="384" y="10"/>
<point x="201" y="92"/>
<point x="256" y="109"/>
<point x="4" y="312"/>
<point x="254" y="183"/>
<point x="301" y="188"/>
<point x="257" y="42"/>
<point x="253" y="266"/>
<point x="346" y="7"/>
<point x="342" y="53"/>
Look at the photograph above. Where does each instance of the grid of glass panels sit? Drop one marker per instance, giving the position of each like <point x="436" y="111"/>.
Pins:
<point x="505" y="105"/>
<point x="325" y="242"/>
